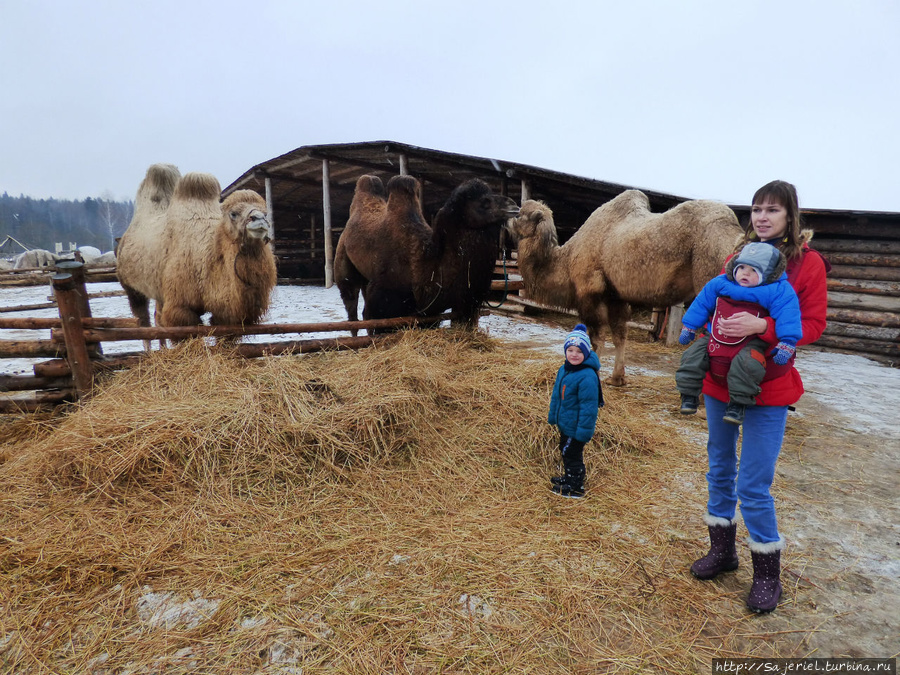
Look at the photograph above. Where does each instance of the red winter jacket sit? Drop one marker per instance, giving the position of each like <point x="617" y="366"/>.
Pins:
<point x="807" y="276"/>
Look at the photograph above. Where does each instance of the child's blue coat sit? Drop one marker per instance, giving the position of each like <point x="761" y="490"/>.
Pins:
<point x="576" y="399"/>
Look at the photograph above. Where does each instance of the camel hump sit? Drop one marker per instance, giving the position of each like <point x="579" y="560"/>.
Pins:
<point x="250" y="197"/>
<point x="404" y="194"/>
<point x="158" y="185"/>
<point x="370" y="184"/>
<point x="629" y="202"/>
<point x="198" y="186"/>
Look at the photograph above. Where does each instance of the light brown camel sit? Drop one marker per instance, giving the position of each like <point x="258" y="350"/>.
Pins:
<point x="622" y="255"/>
<point x="193" y="255"/>
<point x="403" y="266"/>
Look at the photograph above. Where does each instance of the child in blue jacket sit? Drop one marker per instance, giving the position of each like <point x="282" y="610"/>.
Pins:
<point x="576" y="399"/>
<point x="754" y="281"/>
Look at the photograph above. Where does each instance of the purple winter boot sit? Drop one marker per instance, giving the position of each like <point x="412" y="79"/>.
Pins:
<point x="766" y="588"/>
<point x="722" y="556"/>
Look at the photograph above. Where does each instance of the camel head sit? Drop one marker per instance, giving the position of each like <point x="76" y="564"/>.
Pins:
<point x="244" y="212"/>
<point x="535" y="219"/>
<point x="473" y="206"/>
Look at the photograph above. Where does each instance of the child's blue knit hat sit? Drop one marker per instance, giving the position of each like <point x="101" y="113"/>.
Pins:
<point x="578" y="338"/>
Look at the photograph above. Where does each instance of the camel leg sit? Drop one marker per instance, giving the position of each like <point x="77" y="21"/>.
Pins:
<point x="178" y="315"/>
<point x="618" y="313"/>
<point x="349" y="282"/>
<point x="157" y="320"/>
<point x="350" y="298"/>
<point x="387" y="303"/>
<point x="140" y="307"/>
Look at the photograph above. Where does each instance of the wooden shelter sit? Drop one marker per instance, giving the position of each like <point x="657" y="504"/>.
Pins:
<point x="308" y="191"/>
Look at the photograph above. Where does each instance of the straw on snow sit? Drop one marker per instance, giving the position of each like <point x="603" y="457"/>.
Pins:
<point x="377" y="511"/>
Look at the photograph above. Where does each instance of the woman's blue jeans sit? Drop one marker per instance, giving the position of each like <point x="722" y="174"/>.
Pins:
<point x="749" y="482"/>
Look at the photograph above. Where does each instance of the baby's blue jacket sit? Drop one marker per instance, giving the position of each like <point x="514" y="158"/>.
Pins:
<point x="778" y="297"/>
<point x="576" y="399"/>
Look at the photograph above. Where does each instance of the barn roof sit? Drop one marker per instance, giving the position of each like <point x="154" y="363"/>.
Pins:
<point x="296" y="177"/>
<point x="296" y="182"/>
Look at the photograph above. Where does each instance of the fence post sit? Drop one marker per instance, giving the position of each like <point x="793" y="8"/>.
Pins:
<point x="76" y="348"/>
<point x="673" y="330"/>
<point x="76" y="269"/>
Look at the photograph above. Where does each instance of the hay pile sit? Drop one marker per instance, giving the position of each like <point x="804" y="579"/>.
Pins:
<point x="370" y="512"/>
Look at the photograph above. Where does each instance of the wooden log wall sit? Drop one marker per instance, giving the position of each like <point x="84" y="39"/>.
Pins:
<point x="863" y="284"/>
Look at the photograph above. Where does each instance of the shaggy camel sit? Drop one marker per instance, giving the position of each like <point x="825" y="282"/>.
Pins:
<point x="193" y="255"/>
<point x="403" y="266"/>
<point x="623" y="254"/>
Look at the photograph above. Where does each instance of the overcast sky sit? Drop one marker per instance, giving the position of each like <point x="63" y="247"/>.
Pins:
<point x="703" y="99"/>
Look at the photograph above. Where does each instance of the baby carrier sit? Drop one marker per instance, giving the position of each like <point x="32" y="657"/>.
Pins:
<point x="722" y="350"/>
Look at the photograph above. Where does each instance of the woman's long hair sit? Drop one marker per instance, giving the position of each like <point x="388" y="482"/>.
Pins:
<point x="785" y="194"/>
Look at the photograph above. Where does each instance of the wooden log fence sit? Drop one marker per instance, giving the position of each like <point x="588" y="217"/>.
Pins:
<point x="51" y="302"/>
<point x="38" y="276"/>
<point x="74" y="357"/>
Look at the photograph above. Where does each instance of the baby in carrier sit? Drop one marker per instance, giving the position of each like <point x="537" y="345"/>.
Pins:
<point x="754" y="281"/>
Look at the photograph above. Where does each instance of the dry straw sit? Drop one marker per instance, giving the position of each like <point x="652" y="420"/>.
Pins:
<point x="379" y="511"/>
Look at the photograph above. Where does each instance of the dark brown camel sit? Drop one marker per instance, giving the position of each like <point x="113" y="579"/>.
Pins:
<point x="403" y="266"/>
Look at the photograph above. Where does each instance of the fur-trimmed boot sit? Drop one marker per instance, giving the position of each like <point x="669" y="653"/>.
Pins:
<point x="722" y="556"/>
<point x="765" y="592"/>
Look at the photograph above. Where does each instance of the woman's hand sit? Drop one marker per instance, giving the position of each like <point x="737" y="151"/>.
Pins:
<point x="741" y="325"/>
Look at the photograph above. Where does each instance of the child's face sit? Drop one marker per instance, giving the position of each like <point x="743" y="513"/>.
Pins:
<point x="574" y="355"/>
<point x="746" y="276"/>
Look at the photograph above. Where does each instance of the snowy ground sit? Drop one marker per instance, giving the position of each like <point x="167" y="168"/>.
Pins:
<point x="862" y="391"/>
<point x="836" y="485"/>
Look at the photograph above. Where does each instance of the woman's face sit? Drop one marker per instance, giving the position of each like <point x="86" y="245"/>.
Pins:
<point x="769" y="220"/>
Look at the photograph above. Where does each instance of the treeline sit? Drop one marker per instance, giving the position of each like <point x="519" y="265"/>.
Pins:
<point x="41" y="223"/>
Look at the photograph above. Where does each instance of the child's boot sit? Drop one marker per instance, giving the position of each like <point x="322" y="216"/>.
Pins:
<point x="571" y="485"/>
<point x="734" y="414"/>
<point x="689" y="404"/>
<point x="722" y="556"/>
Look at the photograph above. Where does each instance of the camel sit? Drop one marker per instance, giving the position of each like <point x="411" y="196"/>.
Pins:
<point x="193" y="255"/>
<point x="622" y="255"/>
<point x="403" y="266"/>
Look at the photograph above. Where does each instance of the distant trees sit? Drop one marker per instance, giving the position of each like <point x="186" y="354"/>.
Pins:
<point x="41" y="223"/>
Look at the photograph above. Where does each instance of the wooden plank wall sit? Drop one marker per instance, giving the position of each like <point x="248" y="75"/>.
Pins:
<point x="863" y="284"/>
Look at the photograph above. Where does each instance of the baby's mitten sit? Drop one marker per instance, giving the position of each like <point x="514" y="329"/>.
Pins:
<point x="783" y="353"/>
<point x="687" y="336"/>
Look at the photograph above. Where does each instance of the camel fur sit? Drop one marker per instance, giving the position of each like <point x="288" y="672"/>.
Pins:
<point x="622" y="255"/>
<point x="193" y="255"/>
<point x="403" y="266"/>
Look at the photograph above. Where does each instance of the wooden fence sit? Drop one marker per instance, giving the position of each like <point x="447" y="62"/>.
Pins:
<point x="35" y="276"/>
<point x="74" y="352"/>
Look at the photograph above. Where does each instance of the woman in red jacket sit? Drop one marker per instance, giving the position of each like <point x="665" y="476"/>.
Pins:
<point x="774" y="219"/>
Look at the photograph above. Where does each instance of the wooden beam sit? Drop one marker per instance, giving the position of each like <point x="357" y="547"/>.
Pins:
<point x="857" y="316"/>
<point x="46" y="323"/>
<point x="875" y="303"/>
<point x="30" y="349"/>
<point x="673" y="324"/>
<point x="76" y="347"/>
<point x="186" y="332"/>
<point x="871" y="273"/>
<point x="326" y="226"/>
<point x="270" y="209"/>
<point x="855" y="246"/>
